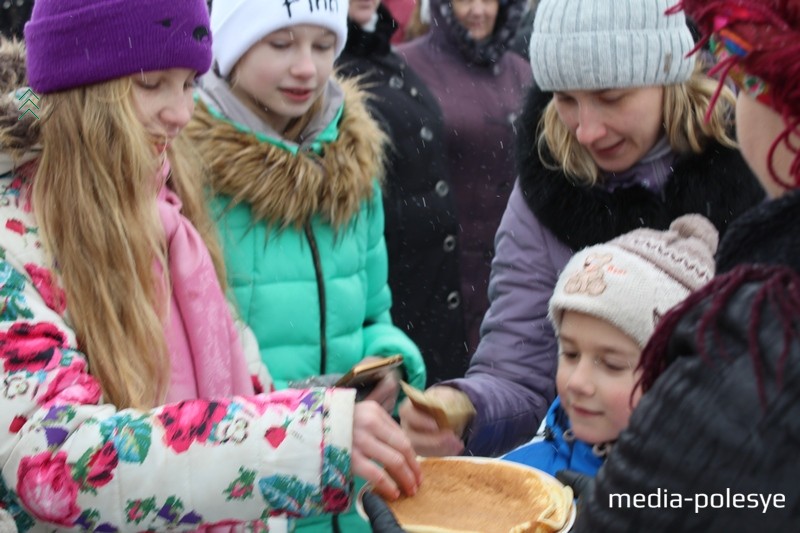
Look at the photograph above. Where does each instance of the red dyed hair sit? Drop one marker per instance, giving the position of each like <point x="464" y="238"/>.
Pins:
<point x="772" y="28"/>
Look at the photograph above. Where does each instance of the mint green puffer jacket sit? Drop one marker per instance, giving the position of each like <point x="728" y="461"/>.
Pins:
<point x="318" y="302"/>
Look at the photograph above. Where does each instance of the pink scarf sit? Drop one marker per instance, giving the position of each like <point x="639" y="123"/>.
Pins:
<point x="206" y="356"/>
<point x="207" y="359"/>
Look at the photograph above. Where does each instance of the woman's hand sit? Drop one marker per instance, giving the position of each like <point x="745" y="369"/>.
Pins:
<point x="425" y="434"/>
<point x="378" y="439"/>
<point x="386" y="390"/>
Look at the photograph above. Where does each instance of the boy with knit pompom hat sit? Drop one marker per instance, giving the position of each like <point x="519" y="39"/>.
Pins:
<point x="606" y="304"/>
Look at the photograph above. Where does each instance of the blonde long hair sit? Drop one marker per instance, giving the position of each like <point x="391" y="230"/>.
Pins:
<point x="684" y="110"/>
<point x="94" y="198"/>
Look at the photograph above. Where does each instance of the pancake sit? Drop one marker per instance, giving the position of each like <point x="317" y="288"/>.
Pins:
<point x="454" y="415"/>
<point x="467" y="496"/>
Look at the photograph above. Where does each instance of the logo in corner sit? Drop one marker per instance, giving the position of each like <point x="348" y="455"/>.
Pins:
<point x="28" y="99"/>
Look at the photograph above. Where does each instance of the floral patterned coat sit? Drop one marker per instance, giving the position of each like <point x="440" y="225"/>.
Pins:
<point x="72" y="462"/>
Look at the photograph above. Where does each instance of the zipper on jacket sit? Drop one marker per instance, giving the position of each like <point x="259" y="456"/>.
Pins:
<point x="323" y="344"/>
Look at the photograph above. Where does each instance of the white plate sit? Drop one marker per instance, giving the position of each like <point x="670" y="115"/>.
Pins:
<point x="543" y="475"/>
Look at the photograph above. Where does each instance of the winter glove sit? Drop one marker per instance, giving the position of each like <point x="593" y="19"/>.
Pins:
<point x="582" y="486"/>
<point x="380" y="516"/>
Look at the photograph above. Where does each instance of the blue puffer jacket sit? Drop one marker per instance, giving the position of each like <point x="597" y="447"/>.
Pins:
<point x="556" y="453"/>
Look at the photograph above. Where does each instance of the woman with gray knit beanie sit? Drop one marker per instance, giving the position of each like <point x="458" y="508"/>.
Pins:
<point x="715" y="437"/>
<point x="618" y="141"/>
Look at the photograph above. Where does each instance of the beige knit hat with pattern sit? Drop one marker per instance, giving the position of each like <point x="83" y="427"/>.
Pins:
<point x="633" y="280"/>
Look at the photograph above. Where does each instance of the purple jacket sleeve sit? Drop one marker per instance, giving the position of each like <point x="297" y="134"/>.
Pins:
<point x="511" y="379"/>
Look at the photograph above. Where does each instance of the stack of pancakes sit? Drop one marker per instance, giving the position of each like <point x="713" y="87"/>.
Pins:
<point x="468" y="496"/>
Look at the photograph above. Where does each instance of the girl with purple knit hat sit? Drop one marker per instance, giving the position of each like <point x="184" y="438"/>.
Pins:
<point x="131" y="397"/>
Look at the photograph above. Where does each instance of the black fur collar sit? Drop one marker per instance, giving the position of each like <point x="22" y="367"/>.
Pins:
<point x="717" y="184"/>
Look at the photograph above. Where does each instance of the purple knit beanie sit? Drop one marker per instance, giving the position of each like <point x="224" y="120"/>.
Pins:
<point x="71" y="43"/>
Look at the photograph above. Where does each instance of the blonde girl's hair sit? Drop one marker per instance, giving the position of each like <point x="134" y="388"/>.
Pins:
<point x="94" y="198"/>
<point x="685" y="108"/>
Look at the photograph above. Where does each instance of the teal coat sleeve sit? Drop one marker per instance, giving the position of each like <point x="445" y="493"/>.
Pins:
<point x="381" y="337"/>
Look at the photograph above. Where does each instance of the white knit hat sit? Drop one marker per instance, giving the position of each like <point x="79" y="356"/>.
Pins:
<point x="236" y="25"/>
<point x="609" y="44"/>
<point x="633" y="280"/>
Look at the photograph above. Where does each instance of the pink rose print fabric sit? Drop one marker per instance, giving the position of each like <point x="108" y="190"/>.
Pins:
<point x="189" y="422"/>
<point x="68" y="460"/>
<point x="47" y="489"/>
<point x="29" y="347"/>
<point x="52" y="294"/>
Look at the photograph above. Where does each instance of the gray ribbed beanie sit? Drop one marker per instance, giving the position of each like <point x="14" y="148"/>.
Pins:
<point x="609" y="44"/>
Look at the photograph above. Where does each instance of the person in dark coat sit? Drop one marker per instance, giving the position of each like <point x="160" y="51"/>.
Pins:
<point x="595" y="161"/>
<point x="521" y="43"/>
<point x="420" y="218"/>
<point x="465" y="62"/>
<point x="13" y="16"/>
<point x="719" y="425"/>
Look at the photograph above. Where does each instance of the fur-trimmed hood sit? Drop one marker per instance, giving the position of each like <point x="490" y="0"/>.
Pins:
<point x="284" y="187"/>
<point x="717" y="184"/>
<point x="18" y="138"/>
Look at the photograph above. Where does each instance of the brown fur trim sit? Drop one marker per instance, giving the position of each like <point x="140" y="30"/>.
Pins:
<point x="16" y="136"/>
<point x="285" y="189"/>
